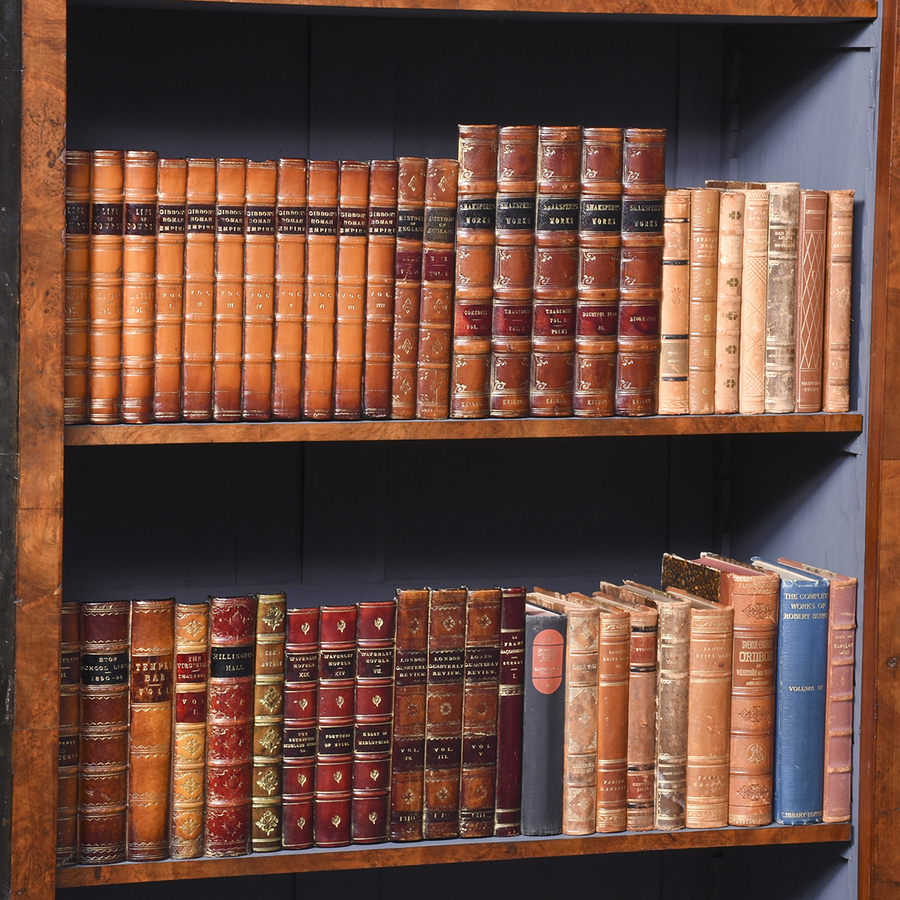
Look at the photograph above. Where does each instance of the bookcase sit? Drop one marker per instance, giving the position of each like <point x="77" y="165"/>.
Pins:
<point x="334" y="511"/>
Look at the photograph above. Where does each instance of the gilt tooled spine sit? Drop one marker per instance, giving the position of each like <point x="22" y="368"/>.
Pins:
<point x="69" y="701"/>
<point x="838" y="284"/>
<point x="751" y="384"/>
<point x="673" y="309"/>
<point x="728" y="300"/>
<point x="702" y="308"/>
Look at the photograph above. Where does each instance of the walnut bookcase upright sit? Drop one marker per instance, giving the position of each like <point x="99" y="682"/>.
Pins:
<point x="784" y="475"/>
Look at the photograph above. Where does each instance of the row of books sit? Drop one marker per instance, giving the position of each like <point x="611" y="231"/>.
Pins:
<point x="237" y="725"/>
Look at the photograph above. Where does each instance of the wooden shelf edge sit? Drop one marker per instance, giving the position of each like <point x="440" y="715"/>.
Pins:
<point x="443" y="852"/>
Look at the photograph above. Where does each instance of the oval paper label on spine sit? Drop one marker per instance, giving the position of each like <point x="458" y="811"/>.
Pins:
<point x="547" y="661"/>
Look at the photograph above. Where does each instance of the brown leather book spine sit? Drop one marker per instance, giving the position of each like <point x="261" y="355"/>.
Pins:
<point x="229" y="726"/>
<point x="138" y="285"/>
<point x="751" y="385"/>
<point x="373" y="720"/>
<point x="481" y="695"/>
<point x="290" y="287"/>
<point x="228" y="333"/>
<point x="380" y="276"/>
<point x="301" y="668"/>
<point x="599" y="249"/>
<point x="103" y="745"/>
<point x="268" y="723"/>
<point x="436" y="303"/>
<point x="150" y="728"/>
<point x="199" y="290"/>
<point x="350" y="302"/>
<point x="704" y="262"/>
<point x="555" y="271"/>
<point x="189" y="730"/>
<point x="474" y="279"/>
<point x="443" y="712"/>
<point x="513" y="305"/>
<point x="78" y="256"/>
<point x="728" y="300"/>
<point x="259" y="291"/>
<point x="508" y="814"/>
<point x="838" y="284"/>
<point x="408" y="746"/>
<point x="105" y="286"/>
<point x="407" y="284"/>
<point x="169" y="313"/>
<point x="640" y="272"/>
<point x="69" y="701"/>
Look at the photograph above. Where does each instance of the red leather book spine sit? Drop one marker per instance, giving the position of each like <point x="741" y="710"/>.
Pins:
<point x="69" y="700"/>
<point x="78" y="255"/>
<point x="379" y="312"/>
<point x="555" y="271"/>
<point x="290" y="287"/>
<point x="229" y="732"/>
<point x="474" y="279"/>
<point x="513" y="303"/>
<point x="334" y="725"/>
<point x="103" y="745"/>
<point x="372" y="729"/>
<point x="407" y="284"/>
<point x="301" y="667"/>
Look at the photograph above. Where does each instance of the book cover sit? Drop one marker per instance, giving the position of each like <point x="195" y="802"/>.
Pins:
<point x="69" y="725"/>
<point x="77" y="276"/>
<point x="838" y="284"/>
<point x="704" y="259"/>
<point x="728" y="300"/>
<point x="754" y="264"/>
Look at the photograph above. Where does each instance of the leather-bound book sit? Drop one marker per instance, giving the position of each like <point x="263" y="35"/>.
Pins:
<point x="150" y="728"/>
<point x="555" y="271"/>
<point x="407" y="284"/>
<point x="103" y="744"/>
<point x="704" y="260"/>
<point x="640" y="272"/>
<point x="728" y="300"/>
<point x="373" y="720"/>
<point x="436" y="296"/>
<point x="443" y="712"/>
<point x="754" y="263"/>
<point x="105" y="286"/>
<point x="138" y="285"/>
<point x="838" y="283"/>
<point x="268" y="723"/>
<point x="543" y="722"/>
<point x="189" y="730"/>
<point x="507" y="817"/>
<point x="228" y="333"/>
<point x="481" y="694"/>
<point x="229" y="725"/>
<point x="317" y="380"/>
<point x="599" y="246"/>
<point x="69" y="701"/>
<point x="290" y="287"/>
<point x="259" y="290"/>
<point x="475" y="229"/>
<point x="410" y="686"/>
<point x="513" y="311"/>
<point x="78" y="256"/>
<point x="301" y="668"/>
<point x="169" y="319"/>
<point x="199" y="290"/>
<point x="673" y="309"/>
<point x="334" y="725"/>
<point x="350" y="303"/>
<point x="380" y="275"/>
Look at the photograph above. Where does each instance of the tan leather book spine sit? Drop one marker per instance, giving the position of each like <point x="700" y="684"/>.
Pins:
<point x="728" y="300"/>
<point x="268" y="723"/>
<point x="674" y="303"/>
<point x="150" y="728"/>
<point x="513" y="311"/>
<point x="228" y="333"/>
<point x="317" y="381"/>
<point x="290" y="287"/>
<point x="640" y="272"/>
<point x="380" y="276"/>
<point x="754" y="263"/>
<point x="600" y="244"/>
<point x="350" y="303"/>
<point x="475" y="238"/>
<point x="436" y="298"/>
<point x="189" y="730"/>
<point x="199" y="290"/>
<point x="105" y="286"/>
<point x="838" y="286"/>
<point x="69" y="701"/>
<point x="259" y="290"/>
<point x="555" y="271"/>
<point x="77" y="268"/>
<point x="169" y="317"/>
<point x="702" y="306"/>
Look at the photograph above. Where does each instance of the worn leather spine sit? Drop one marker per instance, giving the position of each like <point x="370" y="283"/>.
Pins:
<point x="728" y="300"/>
<point x="69" y="701"/>
<point x="838" y="285"/>
<point x="704" y="261"/>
